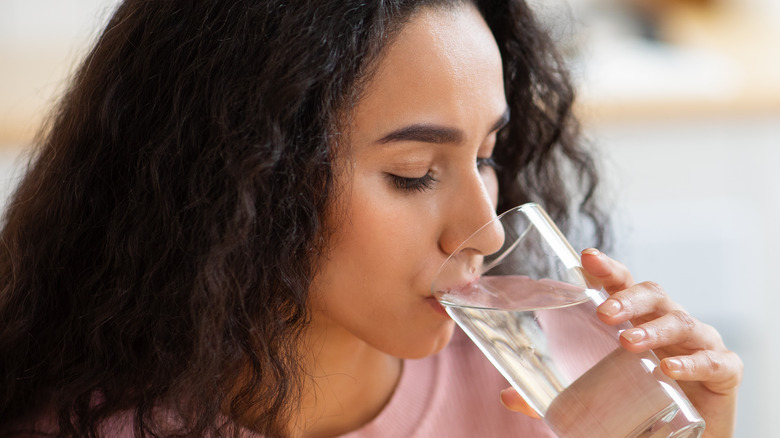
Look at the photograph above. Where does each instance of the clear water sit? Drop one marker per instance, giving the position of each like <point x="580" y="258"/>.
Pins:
<point x="516" y="343"/>
<point x="567" y="364"/>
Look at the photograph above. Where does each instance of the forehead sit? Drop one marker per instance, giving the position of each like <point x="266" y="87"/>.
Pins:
<point x="444" y="63"/>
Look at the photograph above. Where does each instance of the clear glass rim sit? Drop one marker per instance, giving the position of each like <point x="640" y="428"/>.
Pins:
<point x="520" y="208"/>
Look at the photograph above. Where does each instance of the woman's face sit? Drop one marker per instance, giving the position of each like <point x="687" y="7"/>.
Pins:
<point x="414" y="182"/>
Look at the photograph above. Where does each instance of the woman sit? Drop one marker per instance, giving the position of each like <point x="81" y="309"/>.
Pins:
<point x="232" y="223"/>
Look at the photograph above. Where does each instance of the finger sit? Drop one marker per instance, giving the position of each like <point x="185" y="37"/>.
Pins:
<point x="610" y="274"/>
<point x="676" y="328"/>
<point x="643" y="299"/>
<point x="514" y="402"/>
<point x="720" y="372"/>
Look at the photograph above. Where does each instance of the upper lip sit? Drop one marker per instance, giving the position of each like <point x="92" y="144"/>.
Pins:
<point x="463" y="285"/>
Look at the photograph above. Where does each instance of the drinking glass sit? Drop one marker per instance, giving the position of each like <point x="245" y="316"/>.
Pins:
<point x="531" y="309"/>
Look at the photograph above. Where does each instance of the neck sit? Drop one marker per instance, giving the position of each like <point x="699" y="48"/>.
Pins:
<point x="348" y="383"/>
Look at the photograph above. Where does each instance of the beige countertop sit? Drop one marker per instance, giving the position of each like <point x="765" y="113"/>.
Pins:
<point x="723" y="63"/>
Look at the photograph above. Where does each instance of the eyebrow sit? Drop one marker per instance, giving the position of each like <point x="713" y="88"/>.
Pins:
<point x="430" y="133"/>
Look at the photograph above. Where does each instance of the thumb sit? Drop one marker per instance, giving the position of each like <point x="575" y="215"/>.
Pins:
<point x="608" y="273"/>
<point x="514" y="402"/>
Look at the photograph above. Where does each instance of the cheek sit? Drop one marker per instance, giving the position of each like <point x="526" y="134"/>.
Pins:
<point x="382" y="247"/>
<point x="366" y="276"/>
<point x="376" y="278"/>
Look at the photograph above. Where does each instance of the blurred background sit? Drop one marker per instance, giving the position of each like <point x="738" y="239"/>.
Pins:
<point x="680" y="98"/>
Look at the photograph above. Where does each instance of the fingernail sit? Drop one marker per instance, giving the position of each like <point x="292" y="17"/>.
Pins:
<point x="591" y="251"/>
<point x="501" y="397"/>
<point x="674" y="368"/>
<point x="634" y="335"/>
<point x="674" y="364"/>
<point x="610" y="307"/>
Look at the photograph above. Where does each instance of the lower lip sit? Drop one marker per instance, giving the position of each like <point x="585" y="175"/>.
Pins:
<point x="437" y="306"/>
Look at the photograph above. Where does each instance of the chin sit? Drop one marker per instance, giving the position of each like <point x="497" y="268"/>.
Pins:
<point x="424" y="346"/>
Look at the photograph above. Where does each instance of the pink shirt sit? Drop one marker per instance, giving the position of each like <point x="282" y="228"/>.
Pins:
<point x="452" y="394"/>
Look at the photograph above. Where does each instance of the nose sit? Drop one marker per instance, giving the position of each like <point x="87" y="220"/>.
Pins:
<point x="471" y="220"/>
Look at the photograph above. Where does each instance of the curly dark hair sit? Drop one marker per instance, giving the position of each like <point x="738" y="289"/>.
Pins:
<point x="159" y="249"/>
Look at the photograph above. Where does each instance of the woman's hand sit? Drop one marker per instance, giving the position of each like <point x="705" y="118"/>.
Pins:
<point x="691" y="352"/>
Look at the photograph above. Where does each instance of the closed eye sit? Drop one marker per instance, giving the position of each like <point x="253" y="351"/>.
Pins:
<point x="420" y="184"/>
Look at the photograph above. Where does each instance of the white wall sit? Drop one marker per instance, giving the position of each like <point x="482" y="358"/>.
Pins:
<point x="698" y="203"/>
<point x="41" y="42"/>
<point x="47" y="22"/>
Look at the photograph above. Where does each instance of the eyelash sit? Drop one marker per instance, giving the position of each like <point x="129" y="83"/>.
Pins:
<point x="488" y="162"/>
<point x="420" y="184"/>
<point x="426" y="181"/>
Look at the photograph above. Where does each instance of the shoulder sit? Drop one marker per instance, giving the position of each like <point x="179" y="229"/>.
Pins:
<point x="44" y="424"/>
<point x="118" y="425"/>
